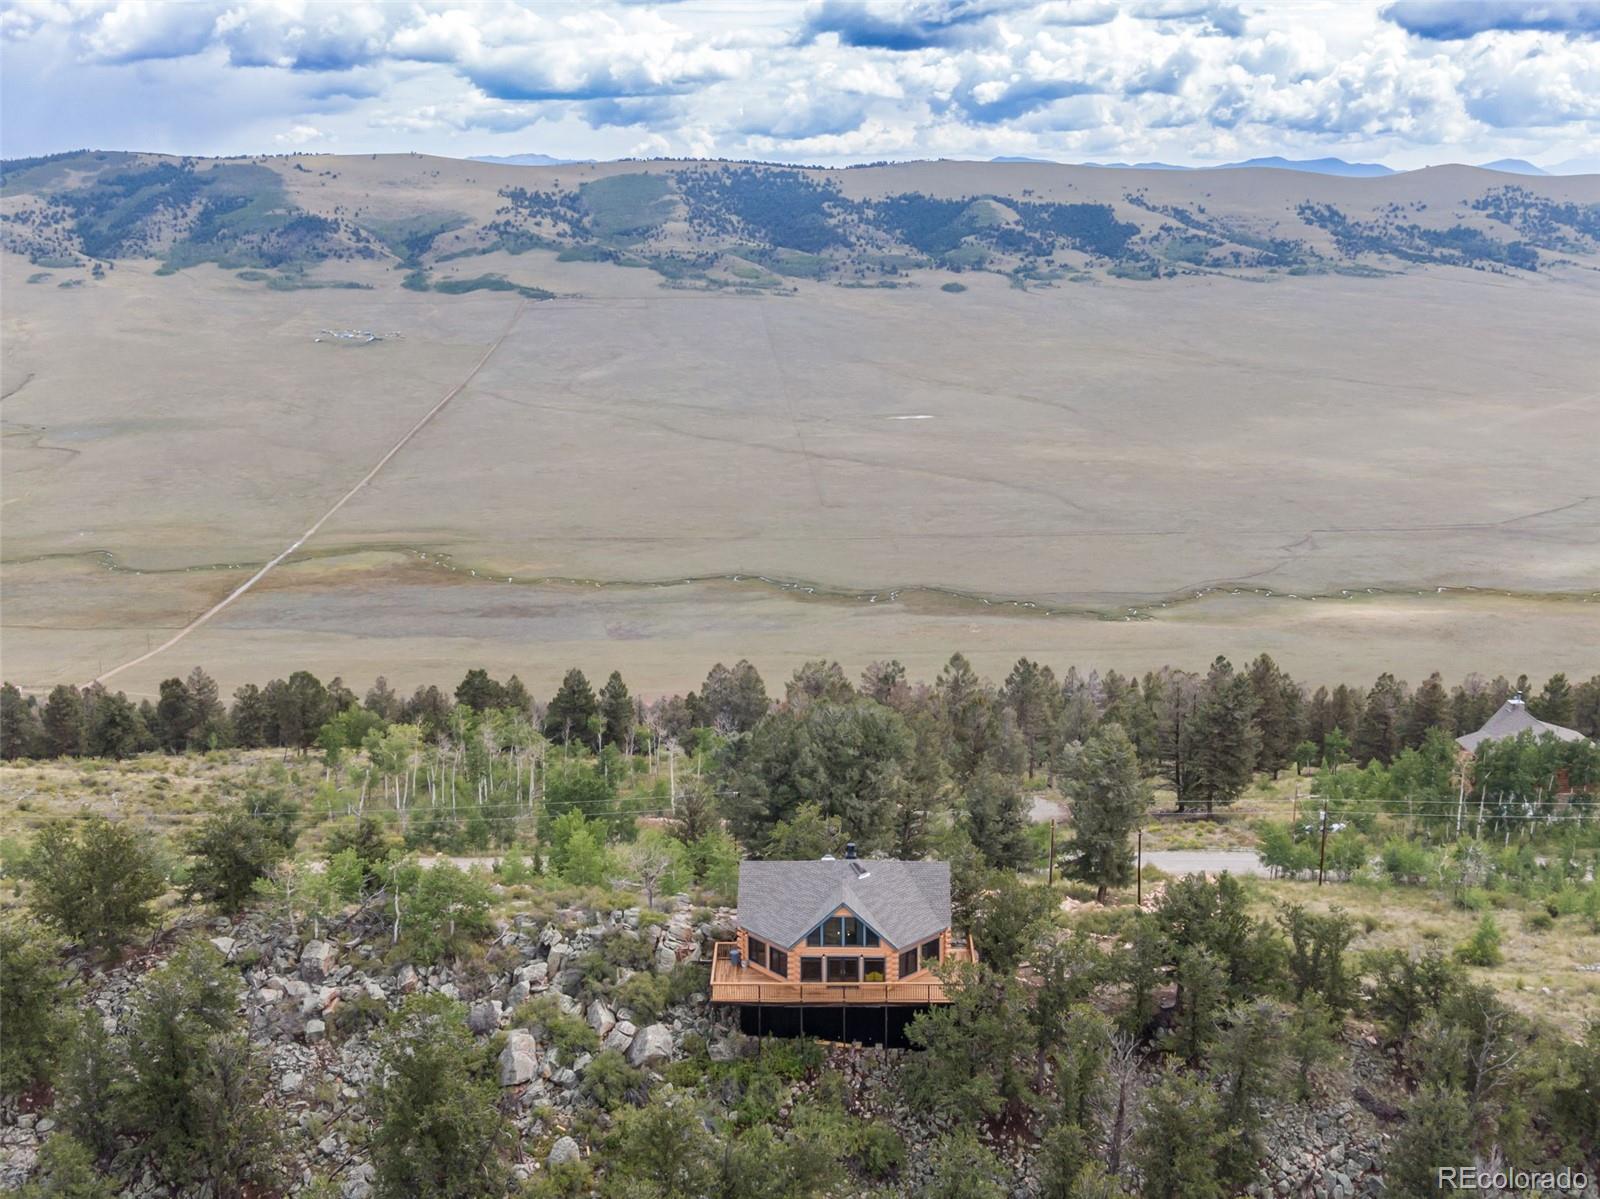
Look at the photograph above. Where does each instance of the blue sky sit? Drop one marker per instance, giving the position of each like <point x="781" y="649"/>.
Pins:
<point x="1408" y="82"/>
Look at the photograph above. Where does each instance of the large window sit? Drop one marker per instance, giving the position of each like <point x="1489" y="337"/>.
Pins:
<point x="778" y="961"/>
<point x="844" y="970"/>
<point x="930" y="951"/>
<point x="810" y="970"/>
<point x="839" y="931"/>
<point x="758" y="952"/>
<point x="872" y="970"/>
<point x="908" y="962"/>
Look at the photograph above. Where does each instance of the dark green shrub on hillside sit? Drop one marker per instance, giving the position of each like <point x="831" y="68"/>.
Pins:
<point x="438" y="1133"/>
<point x="33" y="1009"/>
<point x="232" y="849"/>
<point x="190" y="1090"/>
<point x="65" y="1170"/>
<point x="94" y="883"/>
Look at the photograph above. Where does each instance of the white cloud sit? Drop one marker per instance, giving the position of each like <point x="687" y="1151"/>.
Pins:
<point x="300" y="135"/>
<point x="836" y="79"/>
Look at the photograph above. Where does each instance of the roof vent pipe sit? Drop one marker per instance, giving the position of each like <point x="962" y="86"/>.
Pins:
<point x="849" y="850"/>
<point x="827" y="857"/>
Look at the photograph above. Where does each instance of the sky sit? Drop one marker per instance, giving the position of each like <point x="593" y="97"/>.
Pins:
<point x="1194" y="82"/>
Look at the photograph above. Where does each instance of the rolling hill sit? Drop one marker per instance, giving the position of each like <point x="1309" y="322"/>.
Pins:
<point x="712" y="224"/>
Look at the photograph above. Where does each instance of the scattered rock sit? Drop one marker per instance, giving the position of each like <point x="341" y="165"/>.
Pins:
<point x="316" y="961"/>
<point x="651" y="1046"/>
<point x="563" y="1151"/>
<point x="519" y="1060"/>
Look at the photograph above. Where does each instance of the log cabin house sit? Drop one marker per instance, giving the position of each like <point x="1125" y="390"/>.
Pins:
<point x="842" y="948"/>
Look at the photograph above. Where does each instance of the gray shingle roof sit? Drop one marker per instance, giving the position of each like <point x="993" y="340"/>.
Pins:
<point x="904" y="902"/>
<point x="1513" y="718"/>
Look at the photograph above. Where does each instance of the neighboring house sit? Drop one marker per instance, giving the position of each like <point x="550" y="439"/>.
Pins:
<point x="838" y="932"/>
<point x="1512" y="719"/>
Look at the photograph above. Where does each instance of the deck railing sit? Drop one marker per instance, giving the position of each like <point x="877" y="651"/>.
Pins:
<point x="752" y="984"/>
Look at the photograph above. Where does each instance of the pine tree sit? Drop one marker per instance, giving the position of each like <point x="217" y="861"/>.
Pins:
<point x="730" y="701"/>
<point x="176" y="717"/>
<point x="1378" y="735"/>
<point x="63" y="722"/>
<point x="1034" y="698"/>
<point x="1177" y="739"/>
<point x="438" y="1132"/>
<point x="1279" y="718"/>
<point x="817" y="681"/>
<point x="1437" y="1132"/>
<point x="1586" y="708"/>
<point x="572" y="710"/>
<point x="1179" y="1144"/>
<point x="616" y="709"/>
<point x="381" y="700"/>
<point x="966" y="705"/>
<point x="479" y="692"/>
<point x="253" y="724"/>
<point x="885" y="683"/>
<point x="65" y="1170"/>
<point x="996" y="818"/>
<point x="1225" y="737"/>
<point x="34" y="1002"/>
<point x="93" y="880"/>
<point x="1109" y="798"/>
<point x="191" y="1085"/>
<point x="21" y="733"/>
<point x="1429" y="709"/>
<point x="1555" y="703"/>
<point x="516" y="698"/>
<point x="211" y="721"/>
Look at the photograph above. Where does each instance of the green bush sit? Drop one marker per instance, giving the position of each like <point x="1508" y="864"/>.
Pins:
<point x="192" y="1094"/>
<point x="569" y="1033"/>
<point x="880" y="1151"/>
<point x="438" y="1133"/>
<point x="645" y="995"/>
<point x="443" y="909"/>
<point x="95" y="883"/>
<point x="611" y="1082"/>
<point x="1406" y="862"/>
<point x="65" y="1170"/>
<point x="232" y="849"/>
<point x="34" y="1004"/>
<point x="1483" y="947"/>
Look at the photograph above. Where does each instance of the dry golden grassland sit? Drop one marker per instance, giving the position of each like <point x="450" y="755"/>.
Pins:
<point x="1144" y="464"/>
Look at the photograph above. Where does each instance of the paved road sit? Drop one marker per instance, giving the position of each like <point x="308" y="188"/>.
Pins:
<point x="1173" y="861"/>
<point x="1205" y="861"/>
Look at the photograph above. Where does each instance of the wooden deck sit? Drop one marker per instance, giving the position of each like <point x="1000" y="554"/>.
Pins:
<point x="752" y="984"/>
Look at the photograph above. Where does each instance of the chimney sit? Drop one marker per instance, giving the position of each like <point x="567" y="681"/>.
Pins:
<point x="849" y="850"/>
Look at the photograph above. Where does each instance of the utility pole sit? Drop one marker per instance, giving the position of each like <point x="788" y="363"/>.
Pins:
<point x="1052" y="879"/>
<point x="1322" y="855"/>
<point x="1138" y="874"/>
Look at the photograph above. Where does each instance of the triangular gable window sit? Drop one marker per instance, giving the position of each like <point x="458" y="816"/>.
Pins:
<point x="839" y="931"/>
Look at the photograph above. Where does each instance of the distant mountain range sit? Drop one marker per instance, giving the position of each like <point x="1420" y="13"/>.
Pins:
<point x="526" y="160"/>
<point x="747" y="226"/>
<point x="1313" y="166"/>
